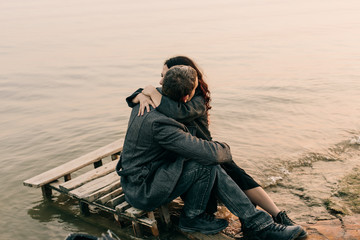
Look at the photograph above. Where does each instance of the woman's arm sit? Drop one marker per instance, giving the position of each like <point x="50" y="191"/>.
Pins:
<point x="183" y="112"/>
<point x="138" y="97"/>
<point x="131" y="101"/>
<point x="153" y="93"/>
<point x="145" y="102"/>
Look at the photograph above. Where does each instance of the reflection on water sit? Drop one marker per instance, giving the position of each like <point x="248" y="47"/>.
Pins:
<point x="284" y="78"/>
<point x="62" y="209"/>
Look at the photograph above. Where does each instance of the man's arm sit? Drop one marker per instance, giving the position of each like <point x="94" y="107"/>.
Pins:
<point x="183" y="112"/>
<point x="173" y="136"/>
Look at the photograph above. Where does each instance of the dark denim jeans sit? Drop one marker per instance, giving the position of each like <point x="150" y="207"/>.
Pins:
<point x="196" y="183"/>
<point x="230" y="194"/>
<point x="194" y="186"/>
<point x="240" y="177"/>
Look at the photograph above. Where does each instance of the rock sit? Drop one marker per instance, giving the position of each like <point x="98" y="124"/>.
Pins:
<point x="345" y="228"/>
<point x="352" y="227"/>
<point x="330" y="229"/>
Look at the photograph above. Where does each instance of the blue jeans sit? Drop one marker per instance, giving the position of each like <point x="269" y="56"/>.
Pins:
<point x="194" y="186"/>
<point x="230" y="194"/>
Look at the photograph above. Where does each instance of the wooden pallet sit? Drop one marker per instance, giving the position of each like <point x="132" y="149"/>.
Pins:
<point x="99" y="187"/>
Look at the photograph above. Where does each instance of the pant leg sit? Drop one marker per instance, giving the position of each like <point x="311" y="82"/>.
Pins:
<point x="211" y="206"/>
<point x="238" y="203"/>
<point x="240" y="177"/>
<point x="195" y="185"/>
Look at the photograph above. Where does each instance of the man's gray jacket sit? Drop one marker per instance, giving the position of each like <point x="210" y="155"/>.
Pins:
<point x="153" y="155"/>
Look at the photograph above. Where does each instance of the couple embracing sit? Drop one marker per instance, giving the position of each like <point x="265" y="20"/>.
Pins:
<point x="169" y="152"/>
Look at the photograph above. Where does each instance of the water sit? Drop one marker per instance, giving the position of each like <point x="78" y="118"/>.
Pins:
<point x="284" y="77"/>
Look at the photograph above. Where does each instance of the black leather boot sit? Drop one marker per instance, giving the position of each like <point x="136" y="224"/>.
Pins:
<point x="274" y="232"/>
<point x="204" y="223"/>
<point x="283" y="218"/>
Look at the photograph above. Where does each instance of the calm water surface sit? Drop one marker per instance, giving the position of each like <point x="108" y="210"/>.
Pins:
<point x="284" y="76"/>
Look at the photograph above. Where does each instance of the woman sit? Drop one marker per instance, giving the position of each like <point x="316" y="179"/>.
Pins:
<point x="194" y="114"/>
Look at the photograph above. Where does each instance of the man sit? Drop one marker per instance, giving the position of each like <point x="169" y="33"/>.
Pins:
<point x="161" y="160"/>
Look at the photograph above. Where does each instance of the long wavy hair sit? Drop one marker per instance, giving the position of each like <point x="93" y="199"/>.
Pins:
<point x="182" y="60"/>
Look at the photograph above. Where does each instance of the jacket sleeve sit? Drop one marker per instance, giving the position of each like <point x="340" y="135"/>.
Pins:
<point x="132" y="96"/>
<point x="173" y="136"/>
<point x="183" y="112"/>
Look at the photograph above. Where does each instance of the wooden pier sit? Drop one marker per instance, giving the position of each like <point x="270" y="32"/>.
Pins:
<point x="97" y="186"/>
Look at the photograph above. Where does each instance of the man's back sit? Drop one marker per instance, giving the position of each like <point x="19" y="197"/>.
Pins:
<point x="146" y="164"/>
<point x="155" y="149"/>
<point x="140" y="147"/>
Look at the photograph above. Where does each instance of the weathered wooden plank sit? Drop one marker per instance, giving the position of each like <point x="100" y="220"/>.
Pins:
<point x="118" y="220"/>
<point x="154" y="227"/>
<point x="104" y="199"/>
<point x="46" y="191"/>
<point x="122" y="207"/>
<point x="99" y="187"/>
<point x="100" y="184"/>
<point x="134" y="212"/>
<point x="55" y="184"/>
<point x="84" y="208"/>
<point x="164" y="214"/>
<point x="116" y="201"/>
<point x="137" y="229"/>
<point x="88" y="176"/>
<point x="76" y="164"/>
<point x="147" y="221"/>
<point x="101" y="192"/>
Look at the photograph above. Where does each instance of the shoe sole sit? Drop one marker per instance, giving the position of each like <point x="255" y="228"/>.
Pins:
<point x="297" y="235"/>
<point x="207" y="232"/>
<point x="302" y="236"/>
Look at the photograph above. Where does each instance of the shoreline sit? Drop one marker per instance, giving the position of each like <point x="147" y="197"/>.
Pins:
<point x="343" y="207"/>
<point x="341" y="226"/>
<point x="346" y="228"/>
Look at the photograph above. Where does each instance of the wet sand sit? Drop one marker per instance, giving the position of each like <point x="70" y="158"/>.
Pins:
<point x="316" y="190"/>
<point x="339" y="217"/>
<point x="342" y="228"/>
